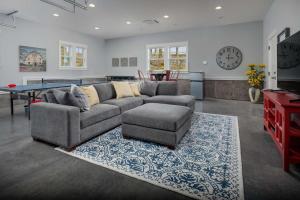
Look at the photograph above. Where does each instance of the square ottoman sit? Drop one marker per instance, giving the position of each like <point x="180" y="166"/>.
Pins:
<point x="160" y="123"/>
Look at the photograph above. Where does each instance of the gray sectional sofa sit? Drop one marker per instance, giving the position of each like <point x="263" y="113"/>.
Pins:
<point x="67" y="127"/>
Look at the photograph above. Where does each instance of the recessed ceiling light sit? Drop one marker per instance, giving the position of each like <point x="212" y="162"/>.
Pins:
<point x="218" y="7"/>
<point x="166" y="16"/>
<point x="91" y="5"/>
<point x="128" y="22"/>
<point x="97" y="28"/>
<point x="56" y="15"/>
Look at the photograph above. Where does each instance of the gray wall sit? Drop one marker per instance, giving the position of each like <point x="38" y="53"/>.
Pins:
<point x="282" y="14"/>
<point x="39" y="35"/>
<point x="203" y="46"/>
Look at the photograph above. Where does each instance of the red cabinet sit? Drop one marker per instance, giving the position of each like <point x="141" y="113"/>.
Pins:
<point x="282" y="122"/>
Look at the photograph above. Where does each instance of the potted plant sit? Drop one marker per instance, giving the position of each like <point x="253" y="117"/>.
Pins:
<point x="256" y="77"/>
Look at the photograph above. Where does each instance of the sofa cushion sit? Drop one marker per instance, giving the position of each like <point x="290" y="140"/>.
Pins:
<point x="97" y="114"/>
<point x="135" y="89"/>
<point x="143" y="97"/>
<point x="149" y="88"/>
<point x="158" y="116"/>
<point x="122" y="89"/>
<point x="91" y="94"/>
<point x="105" y="91"/>
<point x="182" y="100"/>
<point x="125" y="103"/>
<point x="167" y="88"/>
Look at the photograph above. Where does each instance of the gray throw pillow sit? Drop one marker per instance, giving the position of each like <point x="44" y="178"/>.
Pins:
<point x="66" y="98"/>
<point x="50" y="97"/>
<point x="44" y="98"/>
<point x="59" y="96"/>
<point x="80" y="96"/>
<point x="149" y="88"/>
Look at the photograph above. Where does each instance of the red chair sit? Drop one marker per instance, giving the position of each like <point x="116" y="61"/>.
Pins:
<point x="174" y="75"/>
<point x="141" y="75"/>
<point x="151" y="76"/>
<point x="167" y="76"/>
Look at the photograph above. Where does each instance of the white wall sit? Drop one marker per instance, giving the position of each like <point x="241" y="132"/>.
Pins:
<point x="282" y="14"/>
<point x="38" y="35"/>
<point x="204" y="43"/>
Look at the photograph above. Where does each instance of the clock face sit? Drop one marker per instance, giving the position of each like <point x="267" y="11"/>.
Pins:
<point x="288" y="56"/>
<point x="229" y="58"/>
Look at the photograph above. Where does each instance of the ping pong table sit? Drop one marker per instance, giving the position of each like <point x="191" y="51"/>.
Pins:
<point x="31" y="92"/>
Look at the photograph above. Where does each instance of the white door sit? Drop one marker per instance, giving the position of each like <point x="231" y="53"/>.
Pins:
<point x="271" y="72"/>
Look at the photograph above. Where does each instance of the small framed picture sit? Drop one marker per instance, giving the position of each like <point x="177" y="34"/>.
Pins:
<point x="115" y="62"/>
<point x="283" y="35"/>
<point x="133" y="61"/>
<point x="124" y="62"/>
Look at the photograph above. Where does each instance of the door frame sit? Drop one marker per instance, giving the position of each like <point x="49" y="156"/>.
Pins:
<point x="271" y="71"/>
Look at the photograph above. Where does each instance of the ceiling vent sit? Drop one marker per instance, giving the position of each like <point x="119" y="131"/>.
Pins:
<point x="150" y="21"/>
<point x="68" y="5"/>
<point x="8" y="19"/>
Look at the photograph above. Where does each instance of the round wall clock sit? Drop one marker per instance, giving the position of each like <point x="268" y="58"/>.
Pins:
<point x="229" y="58"/>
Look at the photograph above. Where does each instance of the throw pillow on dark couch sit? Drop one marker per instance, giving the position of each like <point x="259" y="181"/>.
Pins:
<point x="49" y="97"/>
<point x="149" y="88"/>
<point x="80" y="96"/>
<point x="66" y="98"/>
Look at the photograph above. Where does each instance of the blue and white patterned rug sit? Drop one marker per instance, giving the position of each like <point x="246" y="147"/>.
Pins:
<point x="205" y="165"/>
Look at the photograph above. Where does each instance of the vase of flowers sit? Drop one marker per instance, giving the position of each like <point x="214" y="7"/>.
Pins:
<point x="256" y="77"/>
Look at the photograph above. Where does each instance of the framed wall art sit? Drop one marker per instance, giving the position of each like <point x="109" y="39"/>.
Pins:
<point x="32" y="59"/>
<point x="124" y="62"/>
<point x="115" y="62"/>
<point x="133" y="62"/>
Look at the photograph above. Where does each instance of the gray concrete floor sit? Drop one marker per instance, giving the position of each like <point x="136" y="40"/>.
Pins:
<point x="34" y="170"/>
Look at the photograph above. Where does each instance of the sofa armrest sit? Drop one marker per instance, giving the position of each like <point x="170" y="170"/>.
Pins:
<point x="56" y="124"/>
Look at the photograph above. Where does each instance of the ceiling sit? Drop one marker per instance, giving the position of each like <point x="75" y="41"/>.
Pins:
<point x="111" y="15"/>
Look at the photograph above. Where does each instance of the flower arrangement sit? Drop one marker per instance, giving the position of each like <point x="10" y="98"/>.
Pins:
<point x="256" y="75"/>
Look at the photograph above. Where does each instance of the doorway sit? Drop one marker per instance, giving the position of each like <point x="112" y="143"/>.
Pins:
<point x="271" y="73"/>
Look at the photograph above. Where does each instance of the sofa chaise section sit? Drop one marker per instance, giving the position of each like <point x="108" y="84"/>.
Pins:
<point x="181" y="100"/>
<point x="167" y="93"/>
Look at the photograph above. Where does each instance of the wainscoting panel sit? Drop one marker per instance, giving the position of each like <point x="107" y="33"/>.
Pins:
<point x="227" y="89"/>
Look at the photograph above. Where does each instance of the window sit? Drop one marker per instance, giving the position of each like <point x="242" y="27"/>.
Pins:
<point x="157" y="58"/>
<point x="72" y="56"/>
<point x="171" y="56"/>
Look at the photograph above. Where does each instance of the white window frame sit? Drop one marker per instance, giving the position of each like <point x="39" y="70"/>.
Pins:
<point x="166" y="47"/>
<point x="73" y="56"/>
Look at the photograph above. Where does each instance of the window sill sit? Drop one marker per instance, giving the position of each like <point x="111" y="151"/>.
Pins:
<point x="73" y="68"/>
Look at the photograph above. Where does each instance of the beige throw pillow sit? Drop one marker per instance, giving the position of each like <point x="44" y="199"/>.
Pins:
<point x="123" y="89"/>
<point x="135" y="89"/>
<point x="91" y="94"/>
